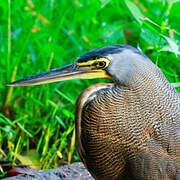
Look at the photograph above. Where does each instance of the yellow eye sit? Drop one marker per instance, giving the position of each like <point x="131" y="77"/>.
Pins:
<point x="101" y="64"/>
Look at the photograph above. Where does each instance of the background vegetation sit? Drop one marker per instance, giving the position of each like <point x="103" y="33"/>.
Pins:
<point x="37" y="122"/>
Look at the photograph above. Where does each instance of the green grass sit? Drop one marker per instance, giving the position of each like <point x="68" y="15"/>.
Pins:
<point x="35" y="36"/>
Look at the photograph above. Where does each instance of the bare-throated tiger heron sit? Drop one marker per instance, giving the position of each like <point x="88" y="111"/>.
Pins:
<point x="127" y="129"/>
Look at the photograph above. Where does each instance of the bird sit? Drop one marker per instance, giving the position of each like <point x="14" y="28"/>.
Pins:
<point x="128" y="128"/>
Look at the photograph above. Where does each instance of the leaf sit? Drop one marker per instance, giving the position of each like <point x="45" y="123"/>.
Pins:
<point x="71" y="150"/>
<point x="104" y="3"/>
<point x="65" y="96"/>
<point x="113" y="33"/>
<point x="172" y="47"/>
<point x="24" y="130"/>
<point x="175" y="9"/>
<point x="152" y="22"/>
<point x="67" y="113"/>
<point x="59" y="154"/>
<point x="31" y="159"/>
<point x="176" y="84"/>
<point x="150" y="36"/>
<point x="135" y="11"/>
<point x="5" y="120"/>
<point x="60" y="121"/>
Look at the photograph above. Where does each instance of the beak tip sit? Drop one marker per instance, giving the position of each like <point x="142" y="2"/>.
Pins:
<point x="11" y="84"/>
<point x="15" y="83"/>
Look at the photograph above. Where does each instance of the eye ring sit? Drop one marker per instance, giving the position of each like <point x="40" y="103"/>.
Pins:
<point x="101" y="64"/>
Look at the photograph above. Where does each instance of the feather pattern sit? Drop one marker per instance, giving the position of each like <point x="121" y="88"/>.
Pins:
<point x="130" y="132"/>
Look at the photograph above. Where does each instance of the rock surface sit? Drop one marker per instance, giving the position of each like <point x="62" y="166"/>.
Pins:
<point x="75" y="171"/>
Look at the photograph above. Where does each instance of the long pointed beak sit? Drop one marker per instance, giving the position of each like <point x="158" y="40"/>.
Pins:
<point x="72" y="71"/>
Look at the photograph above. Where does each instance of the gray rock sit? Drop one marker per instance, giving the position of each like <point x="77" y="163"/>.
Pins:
<point x="75" y="171"/>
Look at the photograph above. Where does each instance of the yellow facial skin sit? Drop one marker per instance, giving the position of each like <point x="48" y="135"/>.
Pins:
<point x="98" y="63"/>
<point x="91" y="69"/>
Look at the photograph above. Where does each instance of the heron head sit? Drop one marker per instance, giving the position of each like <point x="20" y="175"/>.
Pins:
<point x="115" y="62"/>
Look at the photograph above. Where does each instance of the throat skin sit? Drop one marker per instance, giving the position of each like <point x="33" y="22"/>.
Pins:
<point x="128" y="119"/>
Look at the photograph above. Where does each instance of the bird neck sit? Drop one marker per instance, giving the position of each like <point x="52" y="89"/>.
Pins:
<point x="152" y="87"/>
<point x="149" y="79"/>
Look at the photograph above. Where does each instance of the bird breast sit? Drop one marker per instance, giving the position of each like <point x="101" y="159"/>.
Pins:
<point x="115" y="125"/>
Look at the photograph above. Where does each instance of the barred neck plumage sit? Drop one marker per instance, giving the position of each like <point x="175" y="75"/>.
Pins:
<point x="152" y="87"/>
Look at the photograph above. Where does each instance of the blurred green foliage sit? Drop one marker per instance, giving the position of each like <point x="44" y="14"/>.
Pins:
<point x="38" y="35"/>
